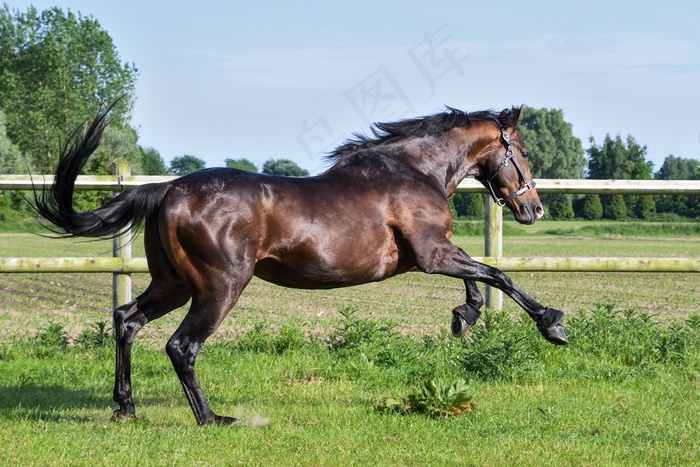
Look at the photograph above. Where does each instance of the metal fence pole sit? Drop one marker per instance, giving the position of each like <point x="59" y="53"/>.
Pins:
<point x="493" y="246"/>
<point x="121" y="247"/>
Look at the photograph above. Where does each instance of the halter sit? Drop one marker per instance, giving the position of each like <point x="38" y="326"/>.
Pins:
<point x="510" y="156"/>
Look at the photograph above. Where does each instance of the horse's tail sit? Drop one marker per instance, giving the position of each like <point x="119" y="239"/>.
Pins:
<point x="129" y="208"/>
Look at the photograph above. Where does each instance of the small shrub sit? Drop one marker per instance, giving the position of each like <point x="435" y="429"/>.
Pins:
<point x="504" y="348"/>
<point x="95" y="337"/>
<point x="260" y="339"/>
<point x="434" y="399"/>
<point x="51" y="340"/>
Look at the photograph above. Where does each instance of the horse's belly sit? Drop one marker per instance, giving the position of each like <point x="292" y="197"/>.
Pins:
<point x="320" y="276"/>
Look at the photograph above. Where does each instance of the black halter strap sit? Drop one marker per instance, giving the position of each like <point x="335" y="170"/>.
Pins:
<point x="525" y="186"/>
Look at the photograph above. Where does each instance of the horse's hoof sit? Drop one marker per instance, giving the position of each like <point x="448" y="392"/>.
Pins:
<point x="463" y="318"/>
<point x="554" y="334"/>
<point x="459" y="326"/>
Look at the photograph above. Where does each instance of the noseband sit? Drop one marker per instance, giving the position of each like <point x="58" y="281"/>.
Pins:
<point x="510" y="156"/>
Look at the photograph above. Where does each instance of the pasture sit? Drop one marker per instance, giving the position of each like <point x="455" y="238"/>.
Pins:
<point x="313" y="367"/>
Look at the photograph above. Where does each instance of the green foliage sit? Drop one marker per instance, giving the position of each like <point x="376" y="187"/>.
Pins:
<point x="560" y="207"/>
<point x="51" y="340"/>
<point x="436" y="399"/>
<point x="677" y="168"/>
<point x="469" y="205"/>
<point x="97" y="336"/>
<point x="261" y="339"/>
<point x="591" y="207"/>
<point x="614" y="207"/>
<point x="284" y="168"/>
<point x="183" y="165"/>
<point x="644" y="207"/>
<point x="623" y="160"/>
<point x="503" y="348"/>
<point x="241" y="164"/>
<point x="624" y="340"/>
<point x="152" y="163"/>
<point x="10" y="157"/>
<point x="555" y="151"/>
<point x="58" y="68"/>
<point x="376" y="341"/>
<point x="617" y="159"/>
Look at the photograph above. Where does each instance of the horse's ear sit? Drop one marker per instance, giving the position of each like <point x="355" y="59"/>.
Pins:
<point x="509" y="117"/>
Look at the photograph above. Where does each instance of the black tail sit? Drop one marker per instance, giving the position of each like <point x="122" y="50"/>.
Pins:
<point x="128" y="209"/>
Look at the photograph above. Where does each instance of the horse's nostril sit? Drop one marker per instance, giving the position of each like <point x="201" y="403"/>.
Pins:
<point x="539" y="212"/>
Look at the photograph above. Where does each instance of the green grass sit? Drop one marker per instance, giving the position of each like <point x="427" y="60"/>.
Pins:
<point x="611" y="398"/>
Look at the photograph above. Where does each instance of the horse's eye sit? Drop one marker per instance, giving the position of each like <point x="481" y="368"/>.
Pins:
<point x="526" y="155"/>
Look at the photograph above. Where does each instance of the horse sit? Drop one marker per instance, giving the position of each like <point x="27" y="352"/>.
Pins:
<point x="380" y="209"/>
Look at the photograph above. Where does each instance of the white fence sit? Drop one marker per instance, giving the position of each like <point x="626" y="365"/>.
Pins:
<point x="122" y="265"/>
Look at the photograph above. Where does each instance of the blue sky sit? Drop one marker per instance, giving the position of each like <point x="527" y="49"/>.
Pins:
<point x="262" y="80"/>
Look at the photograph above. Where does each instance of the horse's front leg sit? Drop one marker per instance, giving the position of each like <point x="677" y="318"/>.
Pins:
<point x="449" y="260"/>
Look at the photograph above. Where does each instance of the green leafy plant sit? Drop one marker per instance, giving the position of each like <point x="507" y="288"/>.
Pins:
<point x="51" y="340"/>
<point x="434" y="399"/>
<point x="96" y="336"/>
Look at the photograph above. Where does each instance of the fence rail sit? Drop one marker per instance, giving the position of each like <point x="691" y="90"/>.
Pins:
<point x="510" y="263"/>
<point x="122" y="265"/>
<point x="550" y="186"/>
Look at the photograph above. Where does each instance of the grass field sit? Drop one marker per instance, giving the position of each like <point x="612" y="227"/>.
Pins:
<point x="313" y="366"/>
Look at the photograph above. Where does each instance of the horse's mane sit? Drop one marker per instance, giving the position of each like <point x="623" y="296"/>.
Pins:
<point x="431" y="125"/>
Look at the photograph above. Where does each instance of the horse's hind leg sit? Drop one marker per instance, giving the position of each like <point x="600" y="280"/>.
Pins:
<point x="203" y="318"/>
<point x="155" y="302"/>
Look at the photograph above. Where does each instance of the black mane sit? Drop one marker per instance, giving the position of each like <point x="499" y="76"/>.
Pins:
<point x="431" y="125"/>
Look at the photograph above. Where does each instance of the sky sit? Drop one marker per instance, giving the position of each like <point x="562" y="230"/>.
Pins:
<point x="270" y="80"/>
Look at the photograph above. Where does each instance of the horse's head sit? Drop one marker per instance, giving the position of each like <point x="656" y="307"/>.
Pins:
<point x="505" y="170"/>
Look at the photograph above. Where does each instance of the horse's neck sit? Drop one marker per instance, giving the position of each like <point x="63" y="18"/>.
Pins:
<point x="447" y="160"/>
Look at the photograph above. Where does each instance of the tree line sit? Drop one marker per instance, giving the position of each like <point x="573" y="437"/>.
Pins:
<point x="57" y="67"/>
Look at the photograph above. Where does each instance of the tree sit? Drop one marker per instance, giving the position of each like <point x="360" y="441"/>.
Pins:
<point x="591" y="207"/>
<point x="284" y="168"/>
<point x="57" y="69"/>
<point x="678" y="168"/>
<point x="10" y="157"/>
<point x="241" y="164"/>
<point x="621" y="160"/>
<point x="644" y="207"/>
<point x="615" y="208"/>
<point x="560" y="207"/>
<point x="12" y="203"/>
<point x="152" y="163"/>
<point x="555" y="151"/>
<point x="469" y="205"/>
<point x="186" y="164"/>
<point x="617" y="159"/>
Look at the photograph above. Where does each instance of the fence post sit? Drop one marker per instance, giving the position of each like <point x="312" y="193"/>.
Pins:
<point x="493" y="246"/>
<point x="121" y="248"/>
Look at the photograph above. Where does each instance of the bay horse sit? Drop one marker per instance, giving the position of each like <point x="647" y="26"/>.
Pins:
<point x="381" y="209"/>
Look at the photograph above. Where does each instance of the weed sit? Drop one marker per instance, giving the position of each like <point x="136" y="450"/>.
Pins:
<point x="261" y="339"/>
<point x="433" y="398"/>
<point x="51" y="340"/>
<point x="503" y="348"/>
<point x="95" y="337"/>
